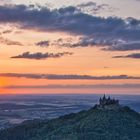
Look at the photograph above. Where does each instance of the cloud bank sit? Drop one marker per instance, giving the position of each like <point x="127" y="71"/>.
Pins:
<point x="116" y="33"/>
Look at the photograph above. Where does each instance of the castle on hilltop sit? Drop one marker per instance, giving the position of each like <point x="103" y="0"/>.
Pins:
<point x="107" y="101"/>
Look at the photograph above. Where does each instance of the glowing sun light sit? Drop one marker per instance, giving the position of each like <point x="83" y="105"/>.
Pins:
<point x="2" y="82"/>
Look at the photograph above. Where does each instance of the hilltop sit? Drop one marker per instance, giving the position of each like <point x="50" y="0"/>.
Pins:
<point x="107" y="120"/>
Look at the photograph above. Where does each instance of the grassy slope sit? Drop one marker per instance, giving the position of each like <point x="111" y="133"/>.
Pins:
<point x="93" y="124"/>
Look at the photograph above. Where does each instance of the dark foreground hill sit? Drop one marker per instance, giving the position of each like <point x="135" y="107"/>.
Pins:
<point x="94" y="124"/>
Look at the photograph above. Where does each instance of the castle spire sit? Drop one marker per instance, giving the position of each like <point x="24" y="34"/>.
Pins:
<point x="104" y="97"/>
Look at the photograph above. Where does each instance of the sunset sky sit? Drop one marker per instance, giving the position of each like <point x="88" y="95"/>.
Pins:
<point x="68" y="46"/>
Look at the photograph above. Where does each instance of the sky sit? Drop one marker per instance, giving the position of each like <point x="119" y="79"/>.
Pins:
<point x="69" y="46"/>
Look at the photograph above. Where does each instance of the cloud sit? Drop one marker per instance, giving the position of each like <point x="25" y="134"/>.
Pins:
<point x="115" y="32"/>
<point x="94" y="8"/>
<point x="90" y="41"/>
<point x="91" y="4"/>
<point x="39" y="55"/>
<point x="104" y="44"/>
<point x="7" y="31"/>
<point x="124" y="46"/>
<point x="106" y="67"/>
<point x="9" y="42"/>
<point x="73" y="86"/>
<point x="85" y="41"/>
<point x="82" y="42"/>
<point x="67" y="42"/>
<point x="66" y="77"/>
<point x="43" y="43"/>
<point x="133" y="55"/>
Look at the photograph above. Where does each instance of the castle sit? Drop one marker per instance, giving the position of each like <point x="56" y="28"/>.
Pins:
<point x="107" y="101"/>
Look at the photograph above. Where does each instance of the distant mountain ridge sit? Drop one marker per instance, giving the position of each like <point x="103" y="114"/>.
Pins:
<point x="107" y="120"/>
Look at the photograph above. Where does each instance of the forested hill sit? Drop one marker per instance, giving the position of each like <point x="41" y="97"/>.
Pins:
<point x="93" y="124"/>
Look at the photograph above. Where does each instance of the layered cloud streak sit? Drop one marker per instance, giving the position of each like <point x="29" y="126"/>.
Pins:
<point x="39" y="55"/>
<point x="74" y="86"/>
<point x="66" y="77"/>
